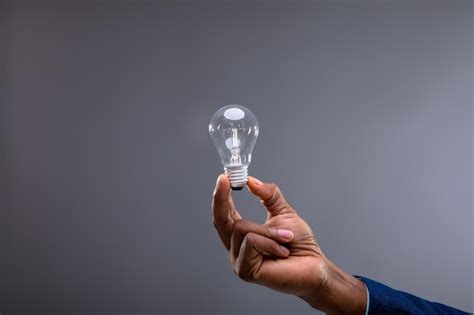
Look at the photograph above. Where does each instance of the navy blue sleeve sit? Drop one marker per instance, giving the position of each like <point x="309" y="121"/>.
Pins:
<point x="385" y="300"/>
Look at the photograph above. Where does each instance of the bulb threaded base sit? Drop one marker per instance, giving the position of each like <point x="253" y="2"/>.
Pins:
<point x="237" y="176"/>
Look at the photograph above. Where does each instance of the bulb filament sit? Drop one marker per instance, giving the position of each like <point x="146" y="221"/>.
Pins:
<point x="235" y="150"/>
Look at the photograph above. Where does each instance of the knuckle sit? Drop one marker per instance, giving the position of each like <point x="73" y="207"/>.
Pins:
<point x="232" y="261"/>
<point x="249" y="239"/>
<point x="244" y="275"/>
<point x="273" y="198"/>
<point x="240" y="272"/>
<point x="273" y="187"/>
<point x="239" y="226"/>
<point x="275" y="247"/>
<point x="269" y="232"/>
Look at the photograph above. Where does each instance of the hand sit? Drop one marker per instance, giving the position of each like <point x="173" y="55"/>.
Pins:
<point x="283" y="253"/>
<point x="254" y="247"/>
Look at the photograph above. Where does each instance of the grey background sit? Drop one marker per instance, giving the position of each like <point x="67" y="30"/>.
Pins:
<point x="107" y="168"/>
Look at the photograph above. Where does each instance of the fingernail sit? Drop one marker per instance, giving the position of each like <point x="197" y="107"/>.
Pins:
<point x="285" y="250"/>
<point x="286" y="234"/>
<point x="256" y="181"/>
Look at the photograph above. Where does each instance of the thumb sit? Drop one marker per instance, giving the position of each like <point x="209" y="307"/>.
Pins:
<point x="270" y="196"/>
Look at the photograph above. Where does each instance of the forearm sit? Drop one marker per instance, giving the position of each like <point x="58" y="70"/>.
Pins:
<point x="339" y="293"/>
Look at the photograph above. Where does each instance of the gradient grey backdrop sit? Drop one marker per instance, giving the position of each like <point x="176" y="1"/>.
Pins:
<point x="107" y="169"/>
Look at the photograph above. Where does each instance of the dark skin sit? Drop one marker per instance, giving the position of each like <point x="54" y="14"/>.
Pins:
<point x="283" y="253"/>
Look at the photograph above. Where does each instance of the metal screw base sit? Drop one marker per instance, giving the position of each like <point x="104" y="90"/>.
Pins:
<point x="237" y="176"/>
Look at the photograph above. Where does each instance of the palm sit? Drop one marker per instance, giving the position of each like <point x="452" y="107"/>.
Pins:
<point x="303" y="268"/>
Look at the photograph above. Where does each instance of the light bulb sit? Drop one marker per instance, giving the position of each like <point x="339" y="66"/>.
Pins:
<point x="234" y="131"/>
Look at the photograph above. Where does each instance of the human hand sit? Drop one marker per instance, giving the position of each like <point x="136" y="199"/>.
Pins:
<point x="282" y="253"/>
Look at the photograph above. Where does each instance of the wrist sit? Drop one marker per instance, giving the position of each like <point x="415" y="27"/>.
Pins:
<point x="338" y="292"/>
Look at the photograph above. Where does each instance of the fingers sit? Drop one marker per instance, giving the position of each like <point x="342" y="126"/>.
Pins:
<point x="242" y="228"/>
<point x="223" y="211"/>
<point x="250" y="258"/>
<point x="270" y="195"/>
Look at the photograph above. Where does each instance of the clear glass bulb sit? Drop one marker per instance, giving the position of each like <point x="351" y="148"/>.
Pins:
<point x="234" y="131"/>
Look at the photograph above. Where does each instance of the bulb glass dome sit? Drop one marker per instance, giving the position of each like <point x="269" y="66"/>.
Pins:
<point x="234" y="131"/>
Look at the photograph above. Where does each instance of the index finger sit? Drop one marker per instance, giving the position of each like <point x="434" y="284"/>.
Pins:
<point x="224" y="213"/>
<point x="270" y="195"/>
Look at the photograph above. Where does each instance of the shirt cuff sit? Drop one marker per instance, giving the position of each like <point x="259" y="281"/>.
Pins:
<point x="368" y="299"/>
<point x="367" y="294"/>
